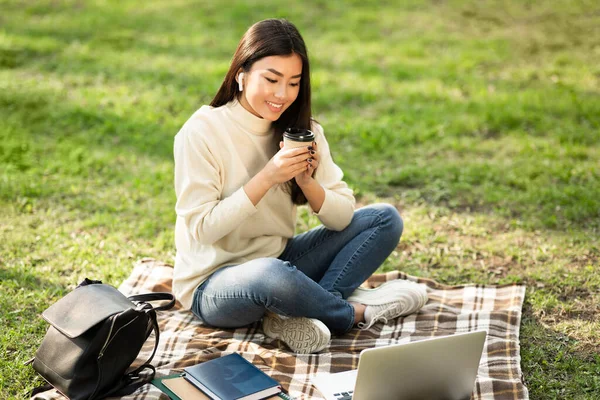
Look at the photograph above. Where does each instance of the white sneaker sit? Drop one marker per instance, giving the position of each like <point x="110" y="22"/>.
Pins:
<point x="302" y="335"/>
<point x="390" y="300"/>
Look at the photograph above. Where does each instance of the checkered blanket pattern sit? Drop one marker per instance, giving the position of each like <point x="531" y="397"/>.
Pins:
<point x="185" y="341"/>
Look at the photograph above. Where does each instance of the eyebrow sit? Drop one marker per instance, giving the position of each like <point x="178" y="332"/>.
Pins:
<point x="280" y="74"/>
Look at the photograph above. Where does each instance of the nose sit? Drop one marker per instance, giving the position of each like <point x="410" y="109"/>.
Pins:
<point x="280" y="92"/>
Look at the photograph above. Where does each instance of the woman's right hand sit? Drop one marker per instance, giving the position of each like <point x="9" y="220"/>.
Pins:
<point x="286" y="164"/>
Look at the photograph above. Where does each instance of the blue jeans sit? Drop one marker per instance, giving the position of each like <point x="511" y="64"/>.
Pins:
<point x="317" y="270"/>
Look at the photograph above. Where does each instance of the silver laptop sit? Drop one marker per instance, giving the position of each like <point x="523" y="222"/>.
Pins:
<point x="438" y="368"/>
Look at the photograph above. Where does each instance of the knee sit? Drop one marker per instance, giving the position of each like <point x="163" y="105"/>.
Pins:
<point x="391" y="220"/>
<point x="272" y="277"/>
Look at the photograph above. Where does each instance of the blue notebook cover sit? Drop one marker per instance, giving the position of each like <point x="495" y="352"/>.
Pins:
<point x="231" y="377"/>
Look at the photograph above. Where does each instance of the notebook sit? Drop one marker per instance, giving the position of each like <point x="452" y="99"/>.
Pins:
<point x="437" y="368"/>
<point x="231" y="377"/>
<point x="183" y="389"/>
<point x="178" y="388"/>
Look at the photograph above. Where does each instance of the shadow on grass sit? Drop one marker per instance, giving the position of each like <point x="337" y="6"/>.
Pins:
<point x="19" y="279"/>
<point x="50" y="116"/>
<point x="551" y="365"/>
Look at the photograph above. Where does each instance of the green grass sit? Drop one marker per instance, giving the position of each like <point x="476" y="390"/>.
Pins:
<point x="480" y="120"/>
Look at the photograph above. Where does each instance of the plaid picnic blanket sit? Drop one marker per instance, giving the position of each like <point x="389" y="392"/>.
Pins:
<point x="185" y="341"/>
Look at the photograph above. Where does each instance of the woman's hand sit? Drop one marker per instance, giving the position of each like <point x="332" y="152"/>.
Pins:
<point x="286" y="164"/>
<point x="312" y="163"/>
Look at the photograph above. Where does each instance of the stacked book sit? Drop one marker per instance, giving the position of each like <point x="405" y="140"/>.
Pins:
<point x="230" y="377"/>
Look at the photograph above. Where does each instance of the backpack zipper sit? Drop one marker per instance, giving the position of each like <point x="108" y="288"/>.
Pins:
<point x="112" y="325"/>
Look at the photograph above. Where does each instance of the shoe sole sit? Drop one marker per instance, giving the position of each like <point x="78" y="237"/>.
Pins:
<point x="388" y="292"/>
<point x="302" y="335"/>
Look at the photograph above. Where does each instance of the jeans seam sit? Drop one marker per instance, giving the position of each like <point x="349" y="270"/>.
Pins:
<point x="197" y="305"/>
<point x="245" y="296"/>
<point x="318" y="244"/>
<point x="351" y="317"/>
<point x="349" y="263"/>
<point x="376" y="214"/>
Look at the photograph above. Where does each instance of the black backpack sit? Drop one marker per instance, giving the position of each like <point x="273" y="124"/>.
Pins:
<point x="95" y="335"/>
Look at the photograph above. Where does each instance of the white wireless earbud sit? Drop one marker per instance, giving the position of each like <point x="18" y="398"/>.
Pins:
<point x="241" y="81"/>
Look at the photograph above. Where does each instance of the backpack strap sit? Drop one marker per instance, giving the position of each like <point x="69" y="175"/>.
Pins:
<point x="155" y="297"/>
<point x="39" y="389"/>
<point x="129" y="384"/>
<point x="132" y="380"/>
<point x="152" y="315"/>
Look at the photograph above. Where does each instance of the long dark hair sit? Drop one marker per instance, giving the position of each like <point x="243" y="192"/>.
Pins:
<point x="272" y="37"/>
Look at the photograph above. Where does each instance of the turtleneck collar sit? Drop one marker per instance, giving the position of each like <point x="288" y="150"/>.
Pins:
<point x="247" y="120"/>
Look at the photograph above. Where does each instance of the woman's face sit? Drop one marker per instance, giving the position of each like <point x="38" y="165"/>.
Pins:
<point x="271" y="85"/>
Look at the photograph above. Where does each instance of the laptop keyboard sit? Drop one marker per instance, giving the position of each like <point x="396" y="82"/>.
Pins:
<point x="344" y="395"/>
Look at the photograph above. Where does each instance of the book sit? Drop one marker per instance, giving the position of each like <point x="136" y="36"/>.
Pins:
<point x="178" y="388"/>
<point x="231" y="377"/>
<point x="184" y="390"/>
<point x="160" y="383"/>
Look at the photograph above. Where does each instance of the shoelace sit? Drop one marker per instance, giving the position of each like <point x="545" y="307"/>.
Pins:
<point x="376" y="318"/>
<point x="379" y="317"/>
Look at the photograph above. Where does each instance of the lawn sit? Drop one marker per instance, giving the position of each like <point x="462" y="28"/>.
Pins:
<point x="479" y="120"/>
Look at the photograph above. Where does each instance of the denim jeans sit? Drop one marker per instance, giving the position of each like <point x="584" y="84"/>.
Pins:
<point x="317" y="270"/>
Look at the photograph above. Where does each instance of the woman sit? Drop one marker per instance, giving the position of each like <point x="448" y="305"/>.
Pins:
<point x="237" y="188"/>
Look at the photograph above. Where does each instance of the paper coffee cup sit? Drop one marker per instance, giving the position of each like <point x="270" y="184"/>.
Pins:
<point x="297" y="137"/>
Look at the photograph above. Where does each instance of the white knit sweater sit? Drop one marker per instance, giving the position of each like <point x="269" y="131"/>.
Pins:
<point x="217" y="151"/>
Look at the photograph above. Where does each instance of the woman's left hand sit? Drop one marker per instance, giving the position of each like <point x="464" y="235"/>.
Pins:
<point x="312" y="164"/>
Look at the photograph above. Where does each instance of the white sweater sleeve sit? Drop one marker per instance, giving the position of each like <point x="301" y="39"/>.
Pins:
<point x="198" y="186"/>
<point x="338" y="208"/>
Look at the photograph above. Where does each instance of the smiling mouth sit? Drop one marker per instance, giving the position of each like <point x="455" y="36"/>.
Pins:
<point x="274" y="105"/>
